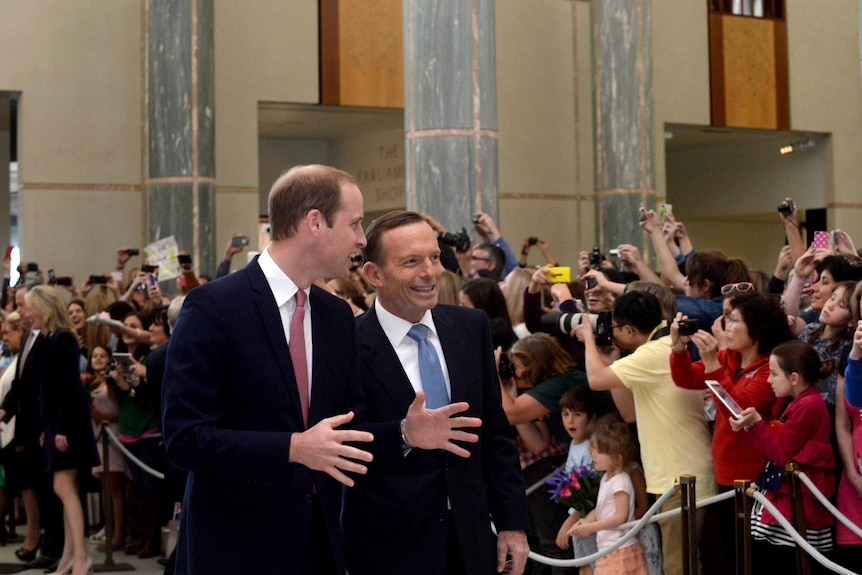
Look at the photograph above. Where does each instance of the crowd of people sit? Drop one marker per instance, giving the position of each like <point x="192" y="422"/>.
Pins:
<point x="272" y="395"/>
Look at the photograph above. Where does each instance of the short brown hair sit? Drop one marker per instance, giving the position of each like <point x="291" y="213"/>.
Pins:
<point x="542" y="357"/>
<point x="374" y="234"/>
<point x="304" y="188"/>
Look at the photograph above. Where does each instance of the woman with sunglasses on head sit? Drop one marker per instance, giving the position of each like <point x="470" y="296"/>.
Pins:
<point x="754" y="326"/>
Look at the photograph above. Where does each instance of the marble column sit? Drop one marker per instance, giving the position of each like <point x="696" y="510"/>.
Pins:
<point x="181" y="180"/>
<point x="450" y="109"/>
<point x="5" y="180"/>
<point x="623" y="114"/>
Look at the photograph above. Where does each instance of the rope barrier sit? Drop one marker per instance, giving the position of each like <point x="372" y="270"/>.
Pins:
<point x="801" y="541"/>
<point x="638" y="525"/>
<point x="119" y="445"/>
<point x="538" y="485"/>
<point x="828" y="505"/>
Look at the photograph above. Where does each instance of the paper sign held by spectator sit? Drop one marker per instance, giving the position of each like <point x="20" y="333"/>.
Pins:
<point x="163" y="253"/>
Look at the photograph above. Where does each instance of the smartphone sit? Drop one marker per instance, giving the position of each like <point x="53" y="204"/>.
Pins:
<point x="8" y="255"/>
<point x="148" y="269"/>
<point x="64" y="281"/>
<point x="52" y="278"/>
<point x="133" y="251"/>
<point x="641" y="214"/>
<point x="237" y="241"/>
<point x="591" y="283"/>
<point x="665" y="209"/>
<point x="822" y="240"/>
<point x="123" y="359"/>
<point x="153" y="280"/>
<point x="562" y="274"/>
<point x="32" y="267"/>
<point x="184" y="258"/>
<point x="94" y="279"/>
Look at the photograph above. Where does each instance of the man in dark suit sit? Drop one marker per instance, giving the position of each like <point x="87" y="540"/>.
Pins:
<point x="262" y="494"/>
<point x="422" y="509"/>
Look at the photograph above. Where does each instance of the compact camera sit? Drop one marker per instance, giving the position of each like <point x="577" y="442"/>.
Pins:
<point x="786" y="207"/>
<point x="688" y="326"/>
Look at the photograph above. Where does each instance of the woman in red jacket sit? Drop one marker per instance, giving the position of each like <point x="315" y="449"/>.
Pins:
<point x="755" y="325"/>
<point x="798" y="431"/>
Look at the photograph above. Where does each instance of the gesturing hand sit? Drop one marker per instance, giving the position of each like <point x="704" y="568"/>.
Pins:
<point x="323" y="448"/>
<point x="437" y="429"/>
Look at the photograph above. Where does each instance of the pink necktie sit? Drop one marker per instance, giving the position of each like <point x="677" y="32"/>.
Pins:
<point x="297" y="353"/>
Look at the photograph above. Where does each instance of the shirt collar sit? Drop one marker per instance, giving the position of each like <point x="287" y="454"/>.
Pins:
<point x="396" y="328"/>
<point x="283" y="288"/>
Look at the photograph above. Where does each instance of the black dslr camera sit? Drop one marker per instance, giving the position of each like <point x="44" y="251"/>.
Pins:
<point x="458" y="240"/>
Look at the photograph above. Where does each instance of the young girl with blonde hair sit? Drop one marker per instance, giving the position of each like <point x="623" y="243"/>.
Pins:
<point x="613" y="449"/>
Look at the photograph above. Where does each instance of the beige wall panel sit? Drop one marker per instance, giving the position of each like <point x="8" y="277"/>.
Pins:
<point x="237" y="212"/>
<point x="377" y="162"/>
<point x="78" y="232"/>
<point x="536" y="103"/>
<point x="78" y="67"/>
<point x="825" y="94"/>
<point x="264" y="51"/>
<point x="680" y="45"/>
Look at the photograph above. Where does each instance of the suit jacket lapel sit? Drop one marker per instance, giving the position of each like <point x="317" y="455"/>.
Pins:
<point x="270" y="318"/>
<point x="380" y="359"/>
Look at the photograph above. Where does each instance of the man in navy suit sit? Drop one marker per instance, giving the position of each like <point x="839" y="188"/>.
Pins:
<point x="426" y="503"/>
<point x="263" y="492"/>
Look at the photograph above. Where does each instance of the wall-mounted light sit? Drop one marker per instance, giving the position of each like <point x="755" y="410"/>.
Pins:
<point x="796" y="147"/>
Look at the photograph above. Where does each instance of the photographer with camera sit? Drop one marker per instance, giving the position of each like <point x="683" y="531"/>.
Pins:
<point x="674" y="436"/>
<point x="489" y="233"/>
<point x="543" y="246"/>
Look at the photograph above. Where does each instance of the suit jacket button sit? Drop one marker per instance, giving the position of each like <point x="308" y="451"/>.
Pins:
<point x="442" y="517"/>
<point x="308" y="499"/>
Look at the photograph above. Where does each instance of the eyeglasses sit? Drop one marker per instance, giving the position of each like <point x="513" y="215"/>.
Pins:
<point x="480" y="258"/>
<point x="740" y="287"/>
<point x="613" y="327"/>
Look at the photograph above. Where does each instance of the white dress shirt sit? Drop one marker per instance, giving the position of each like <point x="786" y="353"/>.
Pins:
<point x="396" y="330"/>
<point x="284" y="289"/>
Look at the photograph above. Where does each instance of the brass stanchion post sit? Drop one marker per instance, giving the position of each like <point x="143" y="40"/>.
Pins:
<point x="108" y="506"/>
<point x="688" y="506"/>
<point x="743" y="503"/>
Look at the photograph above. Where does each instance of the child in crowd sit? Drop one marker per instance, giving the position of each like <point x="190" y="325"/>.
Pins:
<point x="832" y="336"/>
<point x="800" y="433"/>
<point x="578" y="410"/>
<point x="613" y="449"/>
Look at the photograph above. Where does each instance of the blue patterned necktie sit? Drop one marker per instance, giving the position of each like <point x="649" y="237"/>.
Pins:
<point x="433" y="382"/>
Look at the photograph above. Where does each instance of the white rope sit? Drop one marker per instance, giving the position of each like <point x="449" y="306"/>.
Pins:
<point x="828" y="505"/>
<point x="119" y="445"/>
<point x="638" y="525"/>
<point x="801" y="541"/>
<point x="538" y="485"/>
<point x="677" y="511"/>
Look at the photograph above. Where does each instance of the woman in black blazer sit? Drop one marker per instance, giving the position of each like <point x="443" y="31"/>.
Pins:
<point x="67" y="435"/>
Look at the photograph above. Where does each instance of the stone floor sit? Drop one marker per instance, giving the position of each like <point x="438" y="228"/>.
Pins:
<point x="8" y="562"/>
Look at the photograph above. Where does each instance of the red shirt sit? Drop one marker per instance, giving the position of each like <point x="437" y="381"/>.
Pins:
<point x="733" y="456"/>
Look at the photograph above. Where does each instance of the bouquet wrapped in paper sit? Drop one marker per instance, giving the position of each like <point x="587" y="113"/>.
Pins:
<point x="577" y="489"/>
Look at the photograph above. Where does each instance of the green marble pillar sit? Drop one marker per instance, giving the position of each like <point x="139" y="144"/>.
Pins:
<point x="623" y="119"/>
<point x="450" y="109"/>
<point x="181" y="179"/>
